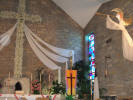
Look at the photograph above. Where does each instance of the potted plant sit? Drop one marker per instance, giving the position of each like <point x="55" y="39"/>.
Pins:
<point x="58" y="88"/>
<point x="69" y="97"/>
<point x="36" y="87"/>
<point x="83" y="82"/>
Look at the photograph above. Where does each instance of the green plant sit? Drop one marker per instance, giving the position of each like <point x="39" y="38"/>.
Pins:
<point x="83" y="82"/>
<point x="36" y="87"/>
<point x="58" y="88"/>
<point x="69" y="97"/>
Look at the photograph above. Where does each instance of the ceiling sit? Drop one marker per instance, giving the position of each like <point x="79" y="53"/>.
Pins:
<point x="80" y="10"/>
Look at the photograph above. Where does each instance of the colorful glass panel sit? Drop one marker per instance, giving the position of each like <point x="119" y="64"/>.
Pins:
<point x="90" y="38"/>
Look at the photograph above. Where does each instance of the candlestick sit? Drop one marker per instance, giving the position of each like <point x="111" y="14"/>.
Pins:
<point x="31" y="76"/>
<point x="9" y="83"/>
<point x="49" y="78"/>
<point x="40" y="77"/>
<point x="9" y="75"/>
<point x="40" y="84"/>
<point x="66" y="65"/>
<point x="31" y="83"/>
<point x="71" y="62"/>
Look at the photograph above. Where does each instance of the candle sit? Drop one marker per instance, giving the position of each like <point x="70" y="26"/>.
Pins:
<point x="9" y="75"/>
<point x="40" y="77"/>
<point x="66" y="65"/>
<point x="49" y="78"/>
<point x="71" y="62"/>
<point x="31" y="76"/>
<point x="40" y="84"/>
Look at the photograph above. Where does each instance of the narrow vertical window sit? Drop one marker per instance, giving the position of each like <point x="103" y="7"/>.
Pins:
<point x="90" y="43"/>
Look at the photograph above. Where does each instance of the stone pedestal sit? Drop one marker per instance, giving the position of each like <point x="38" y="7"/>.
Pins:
<point x="11" y="85"/>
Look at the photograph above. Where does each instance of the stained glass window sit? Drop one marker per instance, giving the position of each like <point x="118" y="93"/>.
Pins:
<point x="90" y="40"/>
<point x="91" y="54"/>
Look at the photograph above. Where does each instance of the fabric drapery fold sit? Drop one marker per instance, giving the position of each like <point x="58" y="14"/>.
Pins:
<point x="5" y="38"/>
<point x="52" y="56"/>
<point x="59" y="51"/>
<point x="42" y="52"/>
<point x="40" y="55"/>
<point x="110" y="24"/>
<point x="127" y="42"/>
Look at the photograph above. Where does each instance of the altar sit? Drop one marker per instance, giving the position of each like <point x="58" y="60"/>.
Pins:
<point x="28" y="97"/>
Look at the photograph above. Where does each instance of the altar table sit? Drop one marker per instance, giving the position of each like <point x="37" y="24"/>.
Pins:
<point x="28" y="97"/>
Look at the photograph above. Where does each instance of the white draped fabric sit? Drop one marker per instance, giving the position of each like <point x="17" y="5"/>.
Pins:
<point x="96" y="89"/>
<point x="44" y="55"/>
<point x="45" y="60"/>
<point x="5" y="38"/>
<point x="127" y="42"/>
<point x="46" y="52"/>
<point x="59" y="51"/>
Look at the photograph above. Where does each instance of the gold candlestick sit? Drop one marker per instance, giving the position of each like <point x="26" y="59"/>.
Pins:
<point x="40" y="84"/>
<point x="71" y="59"/>
<point x="49" y="78"/>
<point x="31" y="76"/>
<point x="9" y="75"/>
<point x="40" y="77"/>
<point x="9" y="82"/>
<point x="31" y="83"/>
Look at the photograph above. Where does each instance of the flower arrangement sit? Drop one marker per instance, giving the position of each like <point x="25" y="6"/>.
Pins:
<point x="58" y="88"/>
<point x="35" y="87"/>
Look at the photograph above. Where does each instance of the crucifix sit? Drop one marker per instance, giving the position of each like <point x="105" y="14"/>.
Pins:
<point x="21" y="17"/>
<point x="71" y="78"/>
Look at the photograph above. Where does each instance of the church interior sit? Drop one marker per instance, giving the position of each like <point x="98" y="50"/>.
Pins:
<point x="66" y="50"/>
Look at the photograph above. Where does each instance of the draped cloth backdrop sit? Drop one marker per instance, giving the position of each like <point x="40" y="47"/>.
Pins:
<point x="45" y="56"/>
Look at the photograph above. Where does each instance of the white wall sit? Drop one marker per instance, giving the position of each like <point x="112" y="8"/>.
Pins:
<point x="80" y="10"/>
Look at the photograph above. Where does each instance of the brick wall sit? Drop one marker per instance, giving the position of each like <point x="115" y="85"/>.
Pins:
<point x="119" y="80"/>
<point x="56" y="28"/>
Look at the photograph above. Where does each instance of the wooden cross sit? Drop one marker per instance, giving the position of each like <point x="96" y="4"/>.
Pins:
<point x="21" y="17"/>
<point x="71" y="78"/>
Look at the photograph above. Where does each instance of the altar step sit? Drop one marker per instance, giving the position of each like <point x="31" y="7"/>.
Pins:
<point x="9" y="98"/>
<point x="6" y="90"/>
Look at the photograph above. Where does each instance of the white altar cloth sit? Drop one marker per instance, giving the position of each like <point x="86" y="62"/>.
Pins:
<point x="28" y="97"/>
